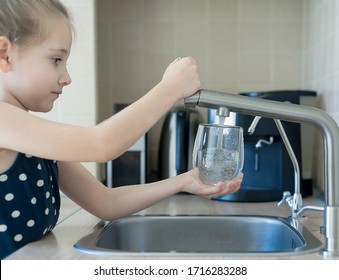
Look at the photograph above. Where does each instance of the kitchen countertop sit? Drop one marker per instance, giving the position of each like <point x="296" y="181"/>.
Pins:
<point x="75" y="222"/>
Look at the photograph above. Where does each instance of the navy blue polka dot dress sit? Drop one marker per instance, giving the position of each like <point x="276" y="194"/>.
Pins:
<point x="29" y="202"/>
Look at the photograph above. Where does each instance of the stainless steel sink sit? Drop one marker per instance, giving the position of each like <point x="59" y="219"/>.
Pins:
<point x="186" y="235"/>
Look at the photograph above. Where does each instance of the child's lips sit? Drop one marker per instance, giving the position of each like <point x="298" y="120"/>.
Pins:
<point x="57" y="92"/>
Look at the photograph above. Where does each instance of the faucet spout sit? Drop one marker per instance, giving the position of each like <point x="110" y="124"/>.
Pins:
<point x="298" y="114"/>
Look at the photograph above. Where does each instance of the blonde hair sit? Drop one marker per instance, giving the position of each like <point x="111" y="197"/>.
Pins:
<point x="25" y="22"/>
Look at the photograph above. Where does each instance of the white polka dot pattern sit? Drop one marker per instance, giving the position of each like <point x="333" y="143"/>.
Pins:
<point x="9" y="197"/>
<point x="18" y="237"/>
<point x="22" y="177"/>
<point x="29" y="202"/>
<point x="3" y="178"/>
<point x="15" y="214"/>
<point x="40" y="183"/>
<point x="3" y="228"/>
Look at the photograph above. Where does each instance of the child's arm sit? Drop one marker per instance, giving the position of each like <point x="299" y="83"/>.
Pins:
<point x="24" y="132"/>
<point x="111" y="203"/>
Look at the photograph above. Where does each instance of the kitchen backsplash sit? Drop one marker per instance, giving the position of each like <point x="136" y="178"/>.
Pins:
<point x="320" y="63"/>
<point x="240" y="45"/>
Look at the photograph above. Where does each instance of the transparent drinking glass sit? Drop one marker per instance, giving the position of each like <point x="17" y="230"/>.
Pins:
<point x="218" y="153"/>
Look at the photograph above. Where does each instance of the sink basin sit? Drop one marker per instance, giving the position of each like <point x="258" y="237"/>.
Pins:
<point x="186" y="235"/>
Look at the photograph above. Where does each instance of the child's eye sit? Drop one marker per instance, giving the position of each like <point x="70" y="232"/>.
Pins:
<point x="56" y="60"/>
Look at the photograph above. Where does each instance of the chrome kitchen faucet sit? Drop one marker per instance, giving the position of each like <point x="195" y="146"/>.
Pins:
<point x="294" y="201"/>
<point x="298" y="114"/>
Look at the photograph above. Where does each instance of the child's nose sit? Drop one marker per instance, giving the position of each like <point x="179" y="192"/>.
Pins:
<point x="65" y="79"/>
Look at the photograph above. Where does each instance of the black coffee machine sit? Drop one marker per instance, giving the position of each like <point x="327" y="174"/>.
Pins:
<point x="268" y="170"/>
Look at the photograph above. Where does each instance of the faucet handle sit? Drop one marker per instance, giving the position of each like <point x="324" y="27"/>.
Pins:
<point x="287" y="197"/>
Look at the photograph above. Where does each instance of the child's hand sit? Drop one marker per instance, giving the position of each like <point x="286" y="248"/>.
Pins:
<point x="182" y="76"/>
<point x="195" y="186"/>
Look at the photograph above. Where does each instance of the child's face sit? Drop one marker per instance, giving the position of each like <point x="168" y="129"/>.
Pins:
<point x="39" y="73"/>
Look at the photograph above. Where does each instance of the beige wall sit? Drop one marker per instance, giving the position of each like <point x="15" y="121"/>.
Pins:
<point x="320" y="63"/>
<point x="240" y="45"/>
<point x="77" y="104"/>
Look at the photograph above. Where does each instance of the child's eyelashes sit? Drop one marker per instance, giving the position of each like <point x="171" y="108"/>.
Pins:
<point x="56" y="60"/>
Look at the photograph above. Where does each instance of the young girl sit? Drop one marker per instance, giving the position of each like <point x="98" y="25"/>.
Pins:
<point x="40" y="157"/>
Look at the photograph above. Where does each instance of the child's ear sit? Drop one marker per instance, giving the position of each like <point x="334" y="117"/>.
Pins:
<point x="5" y="46"/>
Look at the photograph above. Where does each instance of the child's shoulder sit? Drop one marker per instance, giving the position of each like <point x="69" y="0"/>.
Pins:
<point x="8" y="106"/>
<point x="10" y="113"/>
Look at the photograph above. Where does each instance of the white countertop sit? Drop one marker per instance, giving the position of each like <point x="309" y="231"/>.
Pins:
<point x="75" y="222"/>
